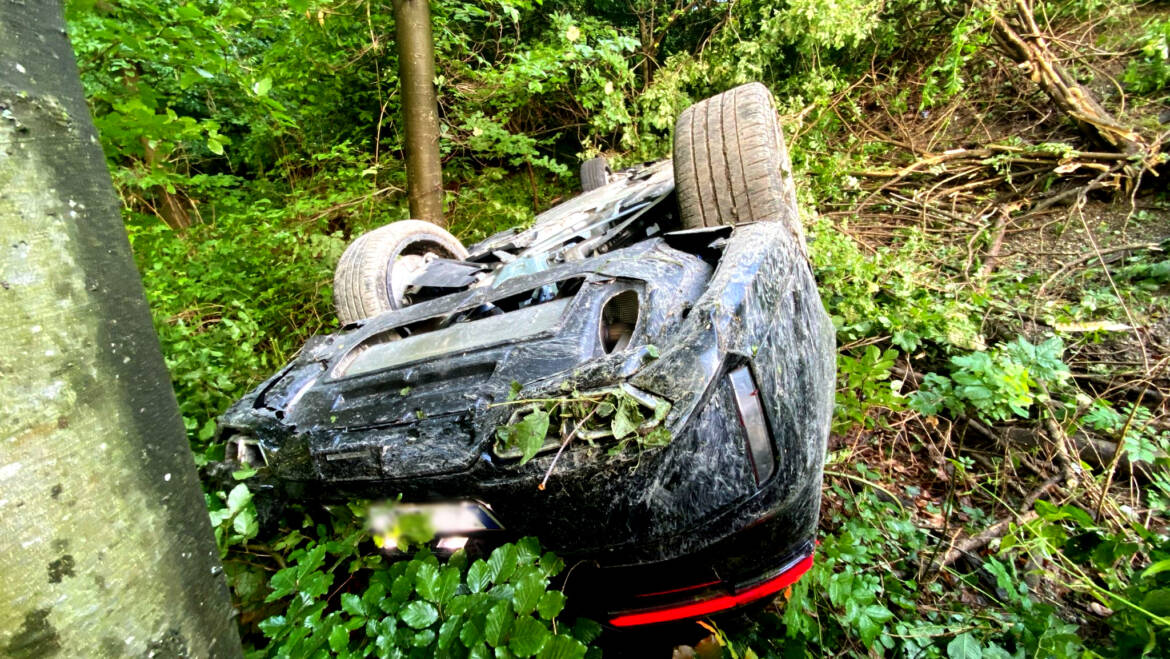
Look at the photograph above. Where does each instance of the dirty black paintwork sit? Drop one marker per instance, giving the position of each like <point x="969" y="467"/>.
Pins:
<point x="710" y="301"/>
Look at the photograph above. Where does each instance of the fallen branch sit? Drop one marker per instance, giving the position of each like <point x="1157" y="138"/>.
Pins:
<point x="1064" y="269"/>
<point x="981" y="540"/>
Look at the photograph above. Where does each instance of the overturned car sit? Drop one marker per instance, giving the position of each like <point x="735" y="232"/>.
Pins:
<point x="643" y="379"/>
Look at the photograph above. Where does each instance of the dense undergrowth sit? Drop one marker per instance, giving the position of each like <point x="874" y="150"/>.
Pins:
<point x="997" y="482"/>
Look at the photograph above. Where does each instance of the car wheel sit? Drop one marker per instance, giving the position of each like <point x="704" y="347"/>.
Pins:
<point x="730" y="162"/>
<point x="376" y="269"/>
<point x="594" y="173"/>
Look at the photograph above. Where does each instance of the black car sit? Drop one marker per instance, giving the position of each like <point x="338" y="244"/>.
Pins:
<point x="643" y="379"/>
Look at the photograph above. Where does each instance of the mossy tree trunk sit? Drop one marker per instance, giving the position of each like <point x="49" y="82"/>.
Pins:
<point x="106" y="547"/>
<point x="420" y="109"/>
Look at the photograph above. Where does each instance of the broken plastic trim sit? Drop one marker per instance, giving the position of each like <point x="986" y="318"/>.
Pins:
<point x="770" y="586"/>
<point x="751" y="415"/>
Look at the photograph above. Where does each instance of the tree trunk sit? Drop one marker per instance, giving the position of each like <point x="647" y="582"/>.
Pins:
<point x="106" y="546"/>
<point x="420" y="109"/>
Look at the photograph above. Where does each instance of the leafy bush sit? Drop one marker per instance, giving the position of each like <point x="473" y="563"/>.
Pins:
<point x="996" y="384"/>
<point x="1151" y="72"/>
<point x="501" y="606"/>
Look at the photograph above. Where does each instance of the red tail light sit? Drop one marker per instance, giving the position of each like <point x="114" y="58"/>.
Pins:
<point x="717" y="603"/>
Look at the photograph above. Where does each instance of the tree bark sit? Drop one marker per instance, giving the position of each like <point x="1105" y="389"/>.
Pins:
<point x="420" y="109"/>
<point x="106" y="544"/>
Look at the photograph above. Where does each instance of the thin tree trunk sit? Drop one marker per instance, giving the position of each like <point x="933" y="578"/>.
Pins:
<point x="420" y="109"/>
<point x="105" y="542"/>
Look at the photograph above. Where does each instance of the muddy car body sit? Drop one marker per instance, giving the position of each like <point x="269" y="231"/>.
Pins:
<point x="718" y="332"/>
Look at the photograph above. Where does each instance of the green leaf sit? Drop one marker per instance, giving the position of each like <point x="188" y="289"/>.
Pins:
<point x="1156" y="568"/>
<point x="622" y="425"/>
<point x="418" y="614"/>
<point x="502" y="563"/>
<point x="353" y="605"/>
<point x="529" y="434"/>
<point x="497" y="624"/>
<point x="215" y="145"/>
<point x="471" y="635"/>
<point x="586" y="630"/>
<point x="551" y="604"/>
<point x="448" y="584"/>
<point x="239" y="497"/>
<point x="528" y="592"/>
<point x="563" y="647"/>
<point x="427" y="582"/>
<point x="964" y="646"/>
<point x="551" y="564"/>
<point x="262" y="86"/>
<point x="338" y="638"/>
<point x="528" y="637"/>
<point x="423" y="638"/>
<point x="479" y="575"/>
<point x="449" y="631"/>
<point x="1157" y="602"/>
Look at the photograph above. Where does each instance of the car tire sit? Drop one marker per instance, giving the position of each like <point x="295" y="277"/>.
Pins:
<point x="594" y="173"/>
<point x="370" y="275"/>
<point x="731" y="165"/>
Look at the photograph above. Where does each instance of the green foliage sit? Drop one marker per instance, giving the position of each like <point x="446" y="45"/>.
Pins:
<point x="622" y="414"/>
<point x="865" y="388"/>
<point x="890" y="293"/>
<point x="422" y="607"/>
<point x="1126" y="570"/>
<point x="863" y="598"/>
<point x="995" y="384"/>
<point x="1150" y="72"/>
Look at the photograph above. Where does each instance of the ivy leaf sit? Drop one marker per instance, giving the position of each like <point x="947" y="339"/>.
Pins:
<point x="418" y="614"/>
<point x="529" y="636"/>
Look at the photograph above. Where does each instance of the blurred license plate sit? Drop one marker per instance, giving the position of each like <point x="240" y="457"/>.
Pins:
<point x="458" y="518"/>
